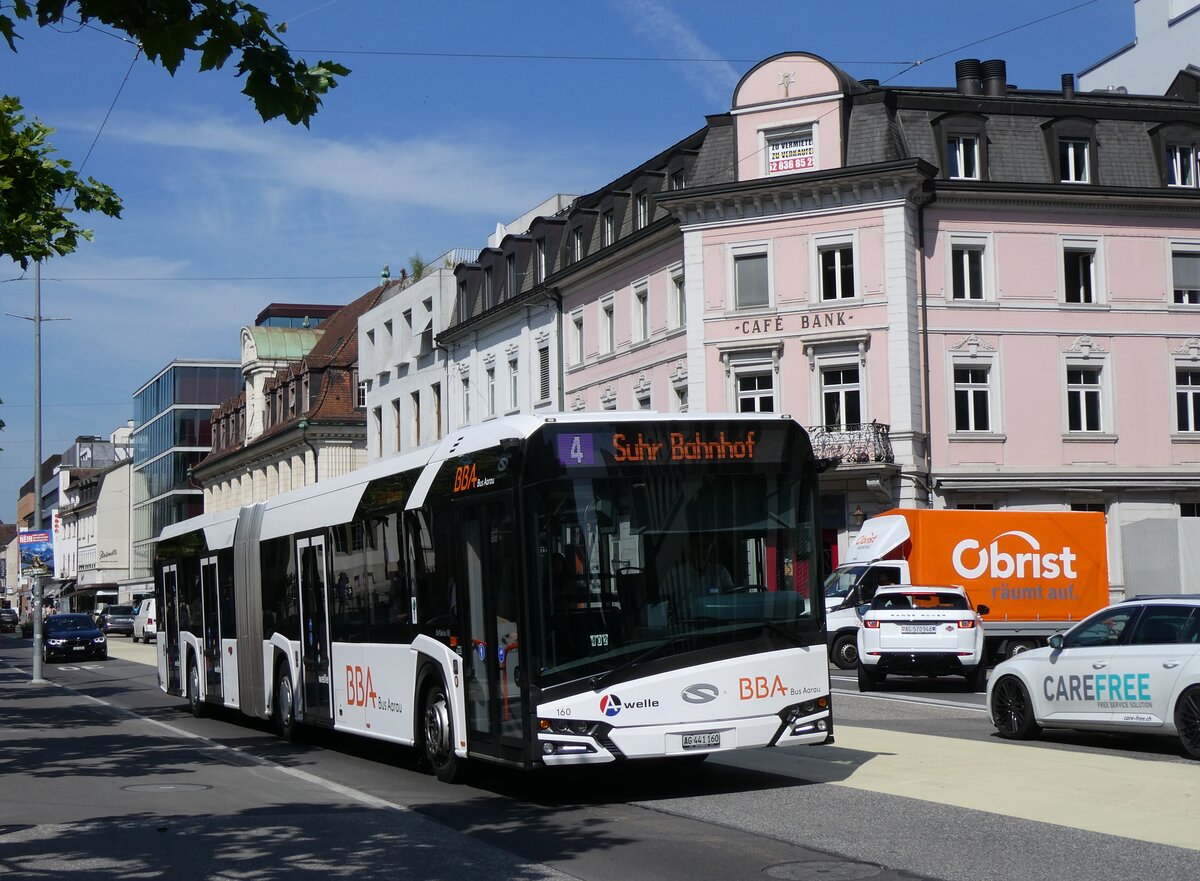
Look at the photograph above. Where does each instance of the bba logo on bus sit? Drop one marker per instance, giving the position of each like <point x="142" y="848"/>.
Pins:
<point x="610" y="705"/>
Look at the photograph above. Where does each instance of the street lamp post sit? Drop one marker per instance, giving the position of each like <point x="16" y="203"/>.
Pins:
<point x="37" y="467"/>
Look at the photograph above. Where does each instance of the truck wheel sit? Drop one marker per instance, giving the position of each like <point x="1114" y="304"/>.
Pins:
<point x="1187" y="721"/>
<point x="1012" y="710"/>
<point x="869" y="681"/>
<point x="845" y="651"/>
<point x="1018" y="646"/>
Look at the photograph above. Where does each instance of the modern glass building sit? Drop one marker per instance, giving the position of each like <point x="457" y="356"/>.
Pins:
<point x="173" y="414"/>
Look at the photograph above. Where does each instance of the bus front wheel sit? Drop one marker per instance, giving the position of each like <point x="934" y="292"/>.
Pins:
<point x="439" y="735"/>
<point x="285" y="706"/>
<point x="193" y="693"/>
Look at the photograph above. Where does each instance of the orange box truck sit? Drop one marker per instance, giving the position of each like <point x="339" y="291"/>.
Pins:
<point x="1038" y="572"/>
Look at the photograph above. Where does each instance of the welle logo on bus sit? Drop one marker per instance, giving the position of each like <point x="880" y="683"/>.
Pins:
<point x="679" y="446"/>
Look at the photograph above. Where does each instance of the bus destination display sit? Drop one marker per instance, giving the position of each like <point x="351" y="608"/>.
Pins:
<point x="580" y="449"/>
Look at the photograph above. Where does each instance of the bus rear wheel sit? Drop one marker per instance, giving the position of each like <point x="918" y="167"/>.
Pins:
<point x="285" y="706"/>
<point x="438" y="733"/>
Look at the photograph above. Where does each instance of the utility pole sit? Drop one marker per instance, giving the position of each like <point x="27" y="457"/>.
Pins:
<point x="37" y="320"/>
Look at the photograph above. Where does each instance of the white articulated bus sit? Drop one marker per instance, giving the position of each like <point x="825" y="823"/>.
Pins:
<point x="534" y="591"/>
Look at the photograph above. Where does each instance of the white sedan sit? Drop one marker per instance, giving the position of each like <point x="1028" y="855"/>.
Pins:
<point x="925" y="631"/>
<point x="1134" y="666"/>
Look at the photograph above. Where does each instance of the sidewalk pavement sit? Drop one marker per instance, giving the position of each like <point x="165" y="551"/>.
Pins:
<point x="89" y="789"/>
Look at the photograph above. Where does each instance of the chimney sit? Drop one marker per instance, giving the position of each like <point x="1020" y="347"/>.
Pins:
<point x="966" y="72"/>
<point x="995" y="78"/>
<point x="1068" y="85"/>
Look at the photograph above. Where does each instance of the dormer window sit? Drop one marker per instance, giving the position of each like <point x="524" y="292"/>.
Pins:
<point x="609" y="226"/>
<point x="487" y="288"/>
<point x="791" y="150"/>
<point x="576" y="244"/>
<point x="641" y="217"/>
<point x="510" y="274"/>
<point x="962" y="157"/>
<point x="1073" y="161"/>
<point x="1181" y="165"/>
<point x="678" y="180"/>
<point x="539" y="260"/>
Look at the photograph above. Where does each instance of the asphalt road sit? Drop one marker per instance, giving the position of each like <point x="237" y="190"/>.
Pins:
<point x="916" y="786"/>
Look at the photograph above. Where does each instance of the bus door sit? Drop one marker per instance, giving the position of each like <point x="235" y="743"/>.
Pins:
<point x="494" y="681"/>
<point x="211" y="628"/>
<point x="168" y="658"/>
<point x="314" y="630"/>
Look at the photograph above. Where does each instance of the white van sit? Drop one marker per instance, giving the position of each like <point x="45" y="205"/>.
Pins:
<point x="145" y="620"/>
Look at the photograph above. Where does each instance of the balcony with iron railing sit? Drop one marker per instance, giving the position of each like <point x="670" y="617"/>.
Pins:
<point x="868" y="443"/>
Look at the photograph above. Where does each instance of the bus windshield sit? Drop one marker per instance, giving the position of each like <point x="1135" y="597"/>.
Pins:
<point x="663" y="562"/>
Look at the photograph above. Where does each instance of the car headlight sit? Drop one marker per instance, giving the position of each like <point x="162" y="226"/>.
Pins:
<point x="56" y="642"/>
<point x="98" y="640"/>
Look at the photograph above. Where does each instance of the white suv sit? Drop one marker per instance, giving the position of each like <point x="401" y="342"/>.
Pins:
<point x="924" y="631"/>
<point x="145" y="626"/>
<point x="1134" y="666"/>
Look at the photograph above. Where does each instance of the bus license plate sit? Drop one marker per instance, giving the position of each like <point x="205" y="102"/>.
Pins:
<point x="699" y="741"/>
<point x="918" y="628"/>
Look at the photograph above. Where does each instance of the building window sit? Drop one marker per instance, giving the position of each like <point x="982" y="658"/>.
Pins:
<point x="1079" y="274"/>
<point x="971" y="399"/>
<point x="437" y="412"/>
<point x="407" y="329"/>
<point x="397" y="422"/>
<point x="841" y="398"/>
<point x="750" y="280"/>
<point x="610" y="228"/>
<point x="755" y="392"/>
<point x="488" y="302"/>
<point x="1073" y="160"/>
<point x="643" y="400"/>
<point x="1187" y="399"/>
<point x="362" y="394"/>
<point x="491" y="391"/>
<point x="966" y="264"/>
<point x="837" y="271"/>
<point x="1084" y="410"/>
<point x="544" y="374"/>
<point x="539" y="260"/>
<point x="1185" y="277"/>
<point x="962" y="157"/>
<point x="678" y="300"/>
<point x="678" y="180"/>
<point x="513" y="384"/>
<point x="641" y="216"/>
<point x="510" y="275"/>
<point x="641" y="312"/>
<point x="681" y="399"/>
<point x="1181" y="165"/>
<point x="466" y="401"/>
<point x="576" y="245"/>
<point x="608" y="342"/>
<point x="377" y="425"/>
<point x="416" y="414"/>
<point x="1089" y="507"/>
<point x="1189" y="509"/>
<point x="577" y="337"/>
<point x="791" y="150"/>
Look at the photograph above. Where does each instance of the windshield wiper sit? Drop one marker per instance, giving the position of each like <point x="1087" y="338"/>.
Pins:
<point x="598" y="682"/>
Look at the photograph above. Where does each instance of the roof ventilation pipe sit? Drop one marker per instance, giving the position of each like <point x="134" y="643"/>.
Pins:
<point x="1068" y="85"/>
<point x="995" y="76"/>
<point x="967" y="73"/>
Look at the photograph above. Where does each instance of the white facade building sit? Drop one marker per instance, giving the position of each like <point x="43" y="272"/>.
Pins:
<point x="1166" y="41"/>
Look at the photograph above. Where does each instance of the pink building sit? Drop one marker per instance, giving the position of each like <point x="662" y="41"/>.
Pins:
<point x="972" y="296"/>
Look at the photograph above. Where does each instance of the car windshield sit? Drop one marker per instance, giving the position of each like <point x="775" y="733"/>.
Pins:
<point x="67" y="623"/>
<point x="931" y="599"/>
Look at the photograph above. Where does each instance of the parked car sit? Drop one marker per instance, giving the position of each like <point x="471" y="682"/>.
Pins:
<point x="923" y="631"/>
<point x="116" y="619"/>
<point x="72" y="635"/>
<point x="8" y="620"/>
<point x="145" y="620"/>
<point x="1134" y="666"/>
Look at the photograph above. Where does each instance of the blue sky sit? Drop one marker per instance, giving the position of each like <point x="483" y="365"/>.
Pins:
<point x="425" y="147"/>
